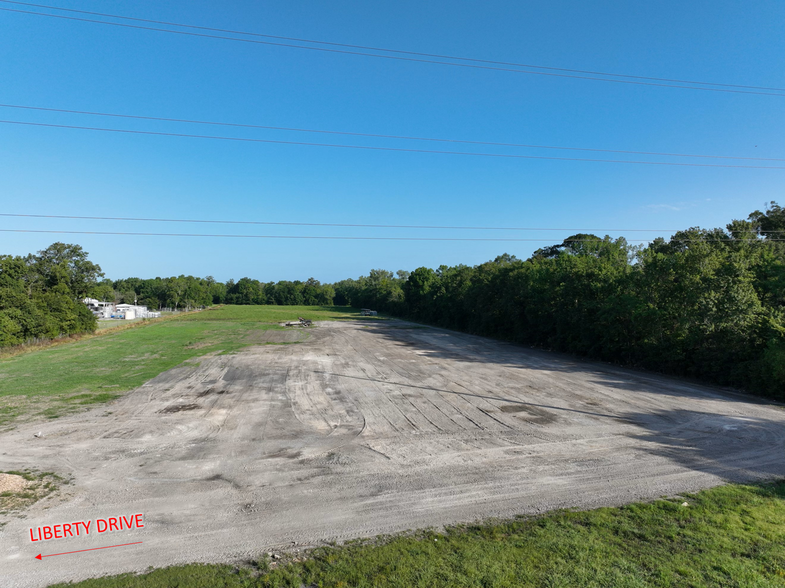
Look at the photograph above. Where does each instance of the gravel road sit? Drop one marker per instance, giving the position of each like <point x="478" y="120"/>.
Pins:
<point x="367" y="428"/>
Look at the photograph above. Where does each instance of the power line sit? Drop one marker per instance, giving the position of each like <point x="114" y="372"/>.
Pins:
<point x="370" y="48"/>
<point x="381" y="136"/>
<point x="349" y="225"/>
<point x="396" y="149"/>
<point x="333" y="238"/>
<point x="298" y="224"/>
<point x="477" y="63"/>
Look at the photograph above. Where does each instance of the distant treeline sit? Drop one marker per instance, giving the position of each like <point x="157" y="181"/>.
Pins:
<point x="189" y="292"/>
<point x="40" y="294"/>
<point x="708" y="304"/>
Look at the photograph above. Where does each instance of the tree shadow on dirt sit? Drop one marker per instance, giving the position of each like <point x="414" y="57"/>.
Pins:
<point x="441" y="344"/>
<point x="704" y="429"/>
<point x="734" y="448"/>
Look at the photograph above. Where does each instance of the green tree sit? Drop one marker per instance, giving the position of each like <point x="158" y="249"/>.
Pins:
<point x="66" y="264"/>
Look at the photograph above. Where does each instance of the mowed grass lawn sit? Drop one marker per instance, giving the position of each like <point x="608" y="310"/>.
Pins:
<point x="277" y="314"/>
<point x="730" y="536"/>
<point x="54" y="381"/>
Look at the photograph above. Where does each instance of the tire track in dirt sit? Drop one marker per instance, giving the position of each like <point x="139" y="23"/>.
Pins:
<point x="365" y="428"/>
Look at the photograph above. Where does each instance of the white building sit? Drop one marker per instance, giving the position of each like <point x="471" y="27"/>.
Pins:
<point x="110" y="310"/>
<point x="132" y="311"/>
<point x="99" y="308"/>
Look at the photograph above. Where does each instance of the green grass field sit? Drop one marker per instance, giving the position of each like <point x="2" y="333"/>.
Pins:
<point x="730" y="536"/>
<point x="54" y="381"/>
<point x="113" y="324"/>
<point x="276" y="314"/>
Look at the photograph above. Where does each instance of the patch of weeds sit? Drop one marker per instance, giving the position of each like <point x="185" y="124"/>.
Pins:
<point x="77" y="398"/>
<point x="37" y="485"/>
<point x="52" y="413"/>
<point x="99" y="398"/>
<point x="9" y="410"/>
<point x="262" y="564"/>
<point x="199" y="344"/>
<point x="27" y="475"/>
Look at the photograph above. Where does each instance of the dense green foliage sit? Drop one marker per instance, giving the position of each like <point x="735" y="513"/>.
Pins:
<point x="40" y="295"/>
<point x="176" y="292"/>
<point x="706" y="303"/>
<point x="188" y="291"/>
<point x="729" y="536"/>
<point x="275" y="314"/>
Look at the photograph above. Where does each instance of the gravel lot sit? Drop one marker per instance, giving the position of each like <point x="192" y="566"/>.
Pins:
<point x="362" y="429"/>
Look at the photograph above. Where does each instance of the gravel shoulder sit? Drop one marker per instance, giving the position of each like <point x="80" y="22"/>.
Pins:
<point x="368" y="428"/>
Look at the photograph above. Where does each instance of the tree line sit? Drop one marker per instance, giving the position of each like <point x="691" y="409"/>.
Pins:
<point x="189" y="292"/>
<point x="40" y="294"/>
<point x="708" y="304"/>
<point x="705" y="303"/>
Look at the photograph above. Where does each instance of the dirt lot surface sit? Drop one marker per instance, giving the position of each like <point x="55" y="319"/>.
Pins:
<point x="364" y="429"/>
<point x="12" y="483"/>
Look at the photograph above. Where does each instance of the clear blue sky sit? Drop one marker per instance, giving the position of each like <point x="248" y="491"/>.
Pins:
<point x="75" y="65"/>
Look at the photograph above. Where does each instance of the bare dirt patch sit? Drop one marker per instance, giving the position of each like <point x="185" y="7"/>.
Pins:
<point x="12" y="483"/>
<point x="274" y="336"/>
<point x="368" y="428"/>
<point x="20" y="489"/>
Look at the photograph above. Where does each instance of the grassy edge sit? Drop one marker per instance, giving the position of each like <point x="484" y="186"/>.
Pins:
<point x="71" y="404"/>
<point x="731" y="535"/>
<point x="25" y="348"/>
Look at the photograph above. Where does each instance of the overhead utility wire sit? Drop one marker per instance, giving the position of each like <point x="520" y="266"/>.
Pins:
<point x="403" y="52"/>
<point x="380" y="136"/>
<point x="399" y="58"/>
<point x="355" y="225"/>
<point x="275" y="236"/>
<point x="397" y="149"/>
<point x="294" y="224"/>
<point x="350" y="225"/>
<point x="331" y="238"/>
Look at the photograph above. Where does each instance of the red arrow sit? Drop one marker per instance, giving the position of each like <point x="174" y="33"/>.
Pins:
<point x="39" y="556"/>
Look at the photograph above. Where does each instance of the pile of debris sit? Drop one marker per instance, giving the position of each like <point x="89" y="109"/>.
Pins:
<point x="303" y="323"/>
